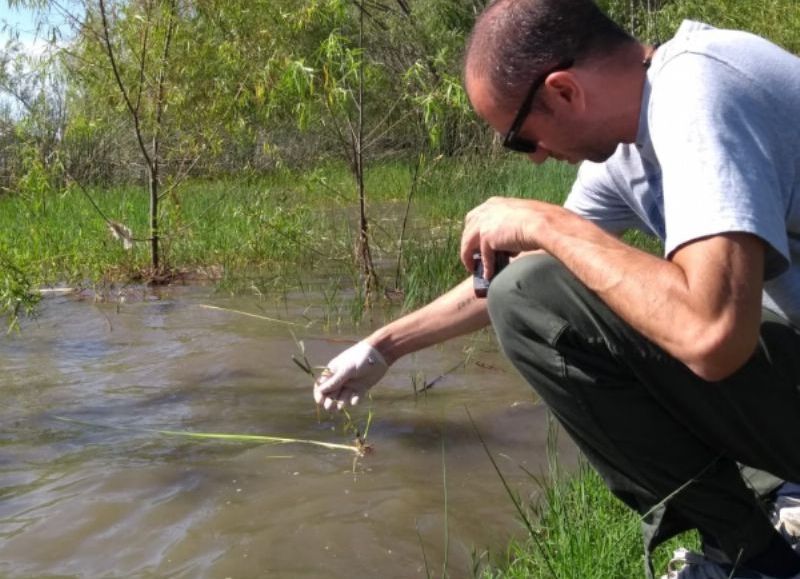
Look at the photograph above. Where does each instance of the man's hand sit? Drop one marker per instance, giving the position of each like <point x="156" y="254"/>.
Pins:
<point x="501" y="224"/>
<point x="349" y="375"/>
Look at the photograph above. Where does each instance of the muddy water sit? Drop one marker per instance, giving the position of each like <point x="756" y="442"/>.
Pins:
<point x="85" y="501"/>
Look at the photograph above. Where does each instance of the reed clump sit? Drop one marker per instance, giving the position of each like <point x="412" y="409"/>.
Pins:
<point x="576" y="529"/>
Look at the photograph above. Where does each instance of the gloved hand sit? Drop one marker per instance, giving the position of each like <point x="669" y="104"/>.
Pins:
<point x="349" y="375"/>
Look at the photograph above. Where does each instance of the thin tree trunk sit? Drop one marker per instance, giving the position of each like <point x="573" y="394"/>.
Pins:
<point x="153" y="189"/>
<point x="365" y="255"/>
<point x="154" y="165"/>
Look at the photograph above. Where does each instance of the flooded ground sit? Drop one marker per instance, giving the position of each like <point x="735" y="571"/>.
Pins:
<point x="86" y="501"/>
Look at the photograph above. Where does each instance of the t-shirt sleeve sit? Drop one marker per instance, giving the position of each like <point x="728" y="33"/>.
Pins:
<point x="716" y="140"/>
<point x="595" y="196"/>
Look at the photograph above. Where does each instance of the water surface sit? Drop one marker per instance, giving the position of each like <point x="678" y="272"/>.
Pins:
<point x="83" y="501"/>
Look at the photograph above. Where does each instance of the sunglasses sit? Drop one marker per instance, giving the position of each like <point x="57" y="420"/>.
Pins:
<point x="512" y="140"/>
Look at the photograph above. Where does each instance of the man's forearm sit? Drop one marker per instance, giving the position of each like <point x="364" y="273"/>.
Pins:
<point x="702" y="305"/>
<point x="455" y="313"/>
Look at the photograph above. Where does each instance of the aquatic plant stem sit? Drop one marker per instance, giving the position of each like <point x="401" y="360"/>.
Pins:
<point x="424" y="554"/>
<point x="257" y="316"/>
<point x="514" y="499"/>
<point x="446" y="524"/>
<point x="220" y="436"/>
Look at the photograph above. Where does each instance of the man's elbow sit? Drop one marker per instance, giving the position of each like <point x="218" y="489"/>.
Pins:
<point x="716" y="358"/>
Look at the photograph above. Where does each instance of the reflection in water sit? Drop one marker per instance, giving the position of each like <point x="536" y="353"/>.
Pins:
<point x="89" y="502"/>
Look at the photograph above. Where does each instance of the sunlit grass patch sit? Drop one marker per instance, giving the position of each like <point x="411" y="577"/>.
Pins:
<point x="270" y="231"/>
<point x="283" y="232"/>
<point x="577" y="529"/>
<point x="585" y="532"/>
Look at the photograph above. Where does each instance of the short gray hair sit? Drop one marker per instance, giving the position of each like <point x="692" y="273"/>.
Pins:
<point x="513" y="41"/>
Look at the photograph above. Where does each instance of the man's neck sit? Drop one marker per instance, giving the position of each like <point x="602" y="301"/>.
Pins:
<point x="624" y="89"/>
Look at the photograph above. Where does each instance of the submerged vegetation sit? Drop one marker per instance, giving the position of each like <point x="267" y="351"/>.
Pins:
<point x="228" y="437"/>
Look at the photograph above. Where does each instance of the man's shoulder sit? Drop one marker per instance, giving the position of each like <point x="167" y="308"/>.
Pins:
<point x="705" y="75"/>
<point x="700" y="37"/>
<point x="700" y="46"/>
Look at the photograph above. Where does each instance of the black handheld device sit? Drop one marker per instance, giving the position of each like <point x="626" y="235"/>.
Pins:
<point x="479" y="283"/>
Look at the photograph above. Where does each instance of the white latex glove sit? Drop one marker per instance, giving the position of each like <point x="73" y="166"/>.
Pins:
<point x="349" y="375"/>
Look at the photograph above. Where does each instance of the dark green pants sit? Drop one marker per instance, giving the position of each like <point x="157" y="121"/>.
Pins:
<point x="645" y="422"/>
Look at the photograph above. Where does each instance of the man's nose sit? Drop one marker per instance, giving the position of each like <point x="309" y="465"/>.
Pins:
<point x="539" y="156"/>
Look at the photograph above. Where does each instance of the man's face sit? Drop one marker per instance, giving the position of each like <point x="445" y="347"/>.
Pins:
<point x="564" y="131"/>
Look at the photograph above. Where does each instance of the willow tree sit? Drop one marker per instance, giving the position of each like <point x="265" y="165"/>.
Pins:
<point x="383" y="74"/>
<point x="143" y="89"/>
<point x="118" y="61"/>
<point x="343" y="65"/>
<point x="330" y="86"/>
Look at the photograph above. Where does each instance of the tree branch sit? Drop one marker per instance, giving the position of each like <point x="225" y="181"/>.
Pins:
<point x="134" y="113"/>
<point x="142" y="58"/>
<point x="162" y="73"/>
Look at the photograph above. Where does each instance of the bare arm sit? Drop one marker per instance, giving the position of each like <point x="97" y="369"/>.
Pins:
<point x="455" y="313"/>
<point x="703" y="306"/>
<point x="350" y="374"/>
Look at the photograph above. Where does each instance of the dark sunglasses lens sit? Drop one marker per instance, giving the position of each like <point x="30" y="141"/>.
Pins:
<point x="521" y="145"/>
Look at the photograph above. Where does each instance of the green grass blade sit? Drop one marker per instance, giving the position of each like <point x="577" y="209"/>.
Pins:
<point x="446" y="521"/>
<point x="256" y="316"/>
<point x="424" y="554"/>
<point x="221" y="436"/>
<point x="513" y="498"/>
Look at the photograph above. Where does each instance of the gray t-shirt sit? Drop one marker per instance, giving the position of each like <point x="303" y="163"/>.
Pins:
<point x="718" y="150"/>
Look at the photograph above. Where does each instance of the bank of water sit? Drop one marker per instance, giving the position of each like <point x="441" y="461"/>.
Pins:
<point x="86" y="501"/>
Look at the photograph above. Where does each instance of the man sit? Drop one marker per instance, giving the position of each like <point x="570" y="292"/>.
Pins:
<point x="667" y="372"/>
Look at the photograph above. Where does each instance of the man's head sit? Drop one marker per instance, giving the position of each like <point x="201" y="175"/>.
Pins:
<point x="542" y="58"/>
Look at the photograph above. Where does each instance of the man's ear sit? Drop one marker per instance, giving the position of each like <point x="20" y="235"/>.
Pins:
<point x="564" y="89"/>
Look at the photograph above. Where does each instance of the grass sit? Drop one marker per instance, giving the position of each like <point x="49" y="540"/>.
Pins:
<point x="264" y="234"/>
<point x="431" y="264"/>
<point x="579" y="529"/>
<point x="17" y="296"/>
<point x="582" y="531"/>
<point x="270" y="234"/>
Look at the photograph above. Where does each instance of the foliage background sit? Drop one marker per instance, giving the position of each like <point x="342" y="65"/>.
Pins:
<point x="255" y="84"/>
<point x="257" y="93"/>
